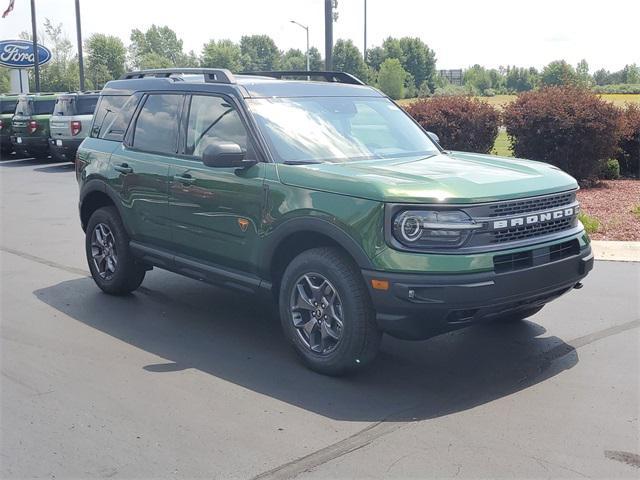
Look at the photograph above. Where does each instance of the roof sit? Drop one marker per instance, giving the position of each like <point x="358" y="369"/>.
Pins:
<point x="254" y="85"/>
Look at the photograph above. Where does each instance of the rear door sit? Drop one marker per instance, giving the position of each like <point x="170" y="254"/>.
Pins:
<point x="215" y="212"/>
<point x="141" y="166"/>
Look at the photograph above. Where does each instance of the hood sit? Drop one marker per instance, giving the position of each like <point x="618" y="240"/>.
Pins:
<point x="456" y="177"/>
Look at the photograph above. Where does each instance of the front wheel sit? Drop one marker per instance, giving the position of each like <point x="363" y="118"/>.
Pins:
<point x="112" y="265"/>
<point x="326" y="312"/>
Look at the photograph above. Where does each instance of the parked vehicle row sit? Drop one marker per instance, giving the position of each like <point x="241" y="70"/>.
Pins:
<point x="42" y="124"/>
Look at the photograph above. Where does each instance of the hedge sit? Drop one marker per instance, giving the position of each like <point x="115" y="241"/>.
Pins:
<point x="569" y="127"/>
<point x="462" y="123"/>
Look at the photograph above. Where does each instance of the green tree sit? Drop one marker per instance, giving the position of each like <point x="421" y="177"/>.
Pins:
<point x="157" y="46"/>
<point x="5" y="81"/>
<point x="293" y="59"/>
<point x="391" y="78"/>
<point x="61" y="73"/>
<point x="392" y="49"/>
<point x="259" y="53"/>
<point x="222" y="54"/>
<point x="520" y="79"/>
<point x="418" y="59"/>
<point x="582" y="74"/>
<point x="601" y="77"/>
<point x="315" y="59"/>
<point x="558" y="72"/>
<point x="105" y="58"/>
<point x="347" y="58"/>
<point x="478" y="79"/>
<point x="631" y="74"/>
<point x="375" y="57"/>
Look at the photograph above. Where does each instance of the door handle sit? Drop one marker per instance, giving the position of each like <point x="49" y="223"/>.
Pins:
<point x="186" y="178"/>
<point x="123" y="168"/>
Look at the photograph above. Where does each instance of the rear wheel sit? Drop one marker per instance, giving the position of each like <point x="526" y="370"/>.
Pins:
<point x="112" y="265"/>
<point x="326" y="312"/>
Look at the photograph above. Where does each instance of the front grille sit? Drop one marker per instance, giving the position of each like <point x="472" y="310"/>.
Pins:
<point x="505" y="209"/>
<point x="528" y="231"/>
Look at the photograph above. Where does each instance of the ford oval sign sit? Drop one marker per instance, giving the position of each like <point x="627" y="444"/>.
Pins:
<point x="19" y="54"/>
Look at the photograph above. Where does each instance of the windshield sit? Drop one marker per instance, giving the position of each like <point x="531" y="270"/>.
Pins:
<point x="8" y="106"/>
<point x="338" y="129"/>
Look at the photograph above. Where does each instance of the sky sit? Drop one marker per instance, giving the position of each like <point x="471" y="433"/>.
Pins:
<point x="462" y="32"/>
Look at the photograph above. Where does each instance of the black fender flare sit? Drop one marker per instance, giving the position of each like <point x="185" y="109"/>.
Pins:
<point x="98" y="185"/>
<point x="311" y="224"/>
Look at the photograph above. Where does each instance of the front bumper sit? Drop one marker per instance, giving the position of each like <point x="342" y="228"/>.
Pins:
<point x="419" y="306"/>
<point x="67" y="148"/>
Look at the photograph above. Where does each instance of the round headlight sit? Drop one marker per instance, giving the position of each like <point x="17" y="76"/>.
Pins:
<point x="410" y="228"/>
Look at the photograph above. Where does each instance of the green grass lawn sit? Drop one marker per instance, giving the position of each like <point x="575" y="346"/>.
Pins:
<point x="500" y="101"/>
<point x="501" y="146"/>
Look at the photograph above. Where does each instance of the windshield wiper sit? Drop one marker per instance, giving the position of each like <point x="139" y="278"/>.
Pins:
<point x="301" y="162"/>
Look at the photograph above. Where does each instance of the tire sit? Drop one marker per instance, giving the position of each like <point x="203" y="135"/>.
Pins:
<point x="521" y="315"/>
<point x="125" y="274"/>
<point x="349" y="313"/>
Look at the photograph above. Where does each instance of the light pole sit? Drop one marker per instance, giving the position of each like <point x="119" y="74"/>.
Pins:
<point x="307" y="30"/>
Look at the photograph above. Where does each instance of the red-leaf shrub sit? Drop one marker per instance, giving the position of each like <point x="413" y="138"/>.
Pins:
<point x="462" y="123"/>
<point x="629" y="154"/>
<point x="569" y="127"/>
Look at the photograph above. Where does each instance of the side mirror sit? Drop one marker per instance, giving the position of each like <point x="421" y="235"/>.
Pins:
<point x="434" y="137"/>
<point x="225" y="154"/>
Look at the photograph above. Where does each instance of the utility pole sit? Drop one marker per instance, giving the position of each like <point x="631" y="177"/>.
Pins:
<point x="79" y="34"/>
<point x="364" y="50"/>
<point x="328" y="34"/>
<point x="34" y="34"/>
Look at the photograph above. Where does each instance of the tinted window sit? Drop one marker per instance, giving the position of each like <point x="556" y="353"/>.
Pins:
<point x="86" y="105"/>
<point x="43" y="107"/>
<point x="64" y="106"/>
<point x="8" y="106"/>
<point x="106" y="113"/>
<point x="157" y="125"/>
<point x="211" y="120"/>
<point x="115" y="130"/>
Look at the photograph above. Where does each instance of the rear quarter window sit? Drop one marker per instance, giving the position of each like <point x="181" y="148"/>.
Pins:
<point x="112" y="116"/>
<point x="86" y="105"/>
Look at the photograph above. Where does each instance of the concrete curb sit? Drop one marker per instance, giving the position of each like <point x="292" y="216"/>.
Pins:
<point x="616" y="251"/>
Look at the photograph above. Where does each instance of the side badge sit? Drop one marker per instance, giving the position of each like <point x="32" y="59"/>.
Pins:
<point x="243" y="223"/>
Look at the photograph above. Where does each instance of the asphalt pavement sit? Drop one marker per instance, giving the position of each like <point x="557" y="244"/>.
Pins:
<point x="185" y="380"/>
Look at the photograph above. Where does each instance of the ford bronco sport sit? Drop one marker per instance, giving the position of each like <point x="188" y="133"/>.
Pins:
<point x="70" y="123"/>
<point x="7" y="110"/>
<point x="328" y="196"/>
<point x="30" y="134"/>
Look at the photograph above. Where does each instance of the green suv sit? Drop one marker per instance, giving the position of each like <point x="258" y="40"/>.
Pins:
<point x="30" y="134"/>
<point x="7" y="110"/>
<point x="328" y="197"/>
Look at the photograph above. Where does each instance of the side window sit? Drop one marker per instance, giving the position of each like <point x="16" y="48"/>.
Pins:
<point x="117" y="126"/>
<point x="157" y="125"/>
<point x="106" y="113"/>
<point x="213" y="119"/>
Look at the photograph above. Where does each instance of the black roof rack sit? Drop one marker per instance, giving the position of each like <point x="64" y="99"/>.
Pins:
<point x="338" y="77"/>
<point x="211" y="75"/>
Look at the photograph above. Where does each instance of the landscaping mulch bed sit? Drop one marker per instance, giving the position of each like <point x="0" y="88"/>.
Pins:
<point x="612" y="203"/>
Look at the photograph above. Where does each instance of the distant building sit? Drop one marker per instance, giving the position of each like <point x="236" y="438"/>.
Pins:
<point x="454" y="76"/>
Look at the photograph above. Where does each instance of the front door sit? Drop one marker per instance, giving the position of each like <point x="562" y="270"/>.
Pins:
<point x="215" y="212"/>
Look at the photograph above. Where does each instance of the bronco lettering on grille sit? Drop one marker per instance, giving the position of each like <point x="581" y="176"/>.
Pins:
<point x="535" y="218"/>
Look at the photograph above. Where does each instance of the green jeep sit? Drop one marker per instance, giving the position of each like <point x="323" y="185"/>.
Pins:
<point x="30" y="134"/>
<point x="7" y="110"/>
<point x="328" y="197"/>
